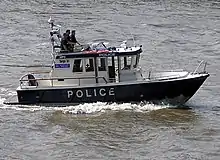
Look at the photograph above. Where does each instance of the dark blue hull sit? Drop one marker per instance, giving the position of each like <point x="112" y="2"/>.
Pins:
<point x="174" y="91"/>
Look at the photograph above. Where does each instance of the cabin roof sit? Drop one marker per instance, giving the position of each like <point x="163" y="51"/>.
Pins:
<point x="100" y="53"/>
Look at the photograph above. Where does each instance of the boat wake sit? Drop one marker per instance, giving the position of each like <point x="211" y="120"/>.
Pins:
<point x="89" y="108"/>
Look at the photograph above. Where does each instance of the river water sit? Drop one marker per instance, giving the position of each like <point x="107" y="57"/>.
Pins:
<point x="174" y="35"/>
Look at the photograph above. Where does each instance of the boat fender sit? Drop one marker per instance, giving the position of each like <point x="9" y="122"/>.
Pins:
<point x="31" y="80"/>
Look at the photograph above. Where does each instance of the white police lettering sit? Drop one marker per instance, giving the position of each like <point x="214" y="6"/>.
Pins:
<point x="102" y="92"/>
<point x="69" y="94"/>
<point x="79" y="93"/>
<point x="95" y="93"/>
<point x="89" y="93"/>
<point x="111" y="92"/>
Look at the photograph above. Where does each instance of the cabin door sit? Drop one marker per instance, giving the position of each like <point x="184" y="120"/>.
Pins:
<point x="102" y="69"/>
<point x="111" y="69"/>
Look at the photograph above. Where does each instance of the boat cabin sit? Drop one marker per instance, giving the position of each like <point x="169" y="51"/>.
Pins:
<point x="95" y="65"/>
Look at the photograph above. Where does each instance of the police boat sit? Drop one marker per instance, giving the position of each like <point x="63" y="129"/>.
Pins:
<point x="97" y="73"/>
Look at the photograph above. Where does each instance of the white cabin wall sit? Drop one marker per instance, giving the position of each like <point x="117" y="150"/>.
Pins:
<point x="127" y="75"/>
<point x="80" y="78"/>
<point x="131" y="73"/>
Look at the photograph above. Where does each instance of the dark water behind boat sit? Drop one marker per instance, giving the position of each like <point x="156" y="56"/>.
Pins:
<point x="173" y="35"/>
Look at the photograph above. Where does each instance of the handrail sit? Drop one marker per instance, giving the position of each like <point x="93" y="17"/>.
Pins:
<point x="40" y="72"/>
<point x="204" y="69"/>
<point x="166" y="77"/>
<point x="57" y="78"/>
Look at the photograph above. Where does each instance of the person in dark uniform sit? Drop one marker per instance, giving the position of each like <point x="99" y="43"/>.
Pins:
<point x="64" y="42"/>
<point x="68" y="34"/>
<point x="73" y="40"/>
<point x="73" y="37"/>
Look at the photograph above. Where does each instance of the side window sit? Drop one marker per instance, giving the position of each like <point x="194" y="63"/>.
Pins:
<point x="77" y="65"/>
<point x="102" y="64"/>
<point x="89" y="65"/>
<point x="137" y="57"/>
<point x="125" y="62"/>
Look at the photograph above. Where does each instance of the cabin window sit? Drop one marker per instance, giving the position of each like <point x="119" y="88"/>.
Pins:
<point x="77" y="65"/>
<point x="102" y="64"/>
<point x="89" y="65"/>
<point x="126" y="62"/>
<point x="137" y="57"/>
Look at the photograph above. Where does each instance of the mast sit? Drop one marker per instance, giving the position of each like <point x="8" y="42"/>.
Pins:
<point x="55" y="30"/>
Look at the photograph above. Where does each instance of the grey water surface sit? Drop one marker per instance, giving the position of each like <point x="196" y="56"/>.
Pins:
<point x="174" y="35"/>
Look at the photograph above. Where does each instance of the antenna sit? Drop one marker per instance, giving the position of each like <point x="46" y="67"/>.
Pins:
<point x="51" y="22"/>
<point x="55" y="40"/>
<point x="132" y="36"/>
<point x="52" y="25"/>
